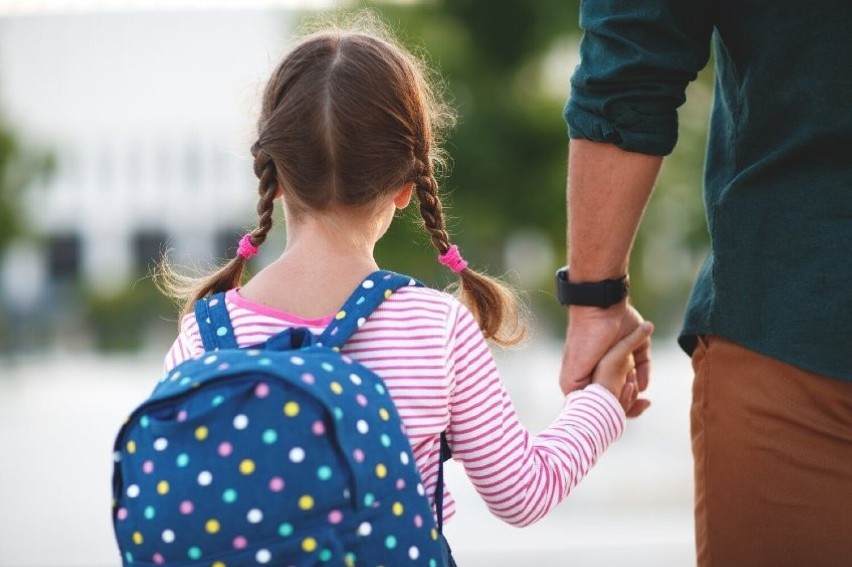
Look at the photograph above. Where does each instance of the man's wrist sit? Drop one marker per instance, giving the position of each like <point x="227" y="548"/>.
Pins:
<point x="600" y="294"/>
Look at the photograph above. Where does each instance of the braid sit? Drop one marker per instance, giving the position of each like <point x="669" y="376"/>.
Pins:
<point x="267" y="188"/>
<point x="495" y="307"/>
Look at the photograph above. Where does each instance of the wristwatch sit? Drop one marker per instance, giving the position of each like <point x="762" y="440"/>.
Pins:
<point x="604" y="293"/>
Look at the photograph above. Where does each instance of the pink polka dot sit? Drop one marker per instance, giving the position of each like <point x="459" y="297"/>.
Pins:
<point x="308" y="378"/>
<point x="335" y="517"/>
<point x="276" y="484"/>
<point x="223" y="366"/>
<point x="261" y="390"/>
<point x="225" y="449"/>
<point x="346" y="359"/>
<point x="158" y="559"/>
<point x="318" y="427"/>
<point x="358" y="455"/>
<point x="121" y="514"/>
<point x="148" y="467"/>
<point x="186" y="507"/>
<point x="182" y="415"/>
<point x="240" y="542"/>
<point x="418" y="521"/>
<point x="362" y="400"/>
<point x="400" y="484"/>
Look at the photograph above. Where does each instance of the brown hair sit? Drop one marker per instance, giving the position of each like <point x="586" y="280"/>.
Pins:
<point x="348" y="117"/>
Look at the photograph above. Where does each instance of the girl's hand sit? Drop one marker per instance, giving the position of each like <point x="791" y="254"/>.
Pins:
<point x="617" y="369"/>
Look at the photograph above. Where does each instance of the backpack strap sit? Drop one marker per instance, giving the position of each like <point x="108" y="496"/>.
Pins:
<point x="214" y="323"/>
<point x="375" y="288"/>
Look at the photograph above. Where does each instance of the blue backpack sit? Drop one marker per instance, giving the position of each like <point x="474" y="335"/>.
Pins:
<point x="287" y="453"/>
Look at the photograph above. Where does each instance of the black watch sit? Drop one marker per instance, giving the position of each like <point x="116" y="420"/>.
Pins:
<point x="604" y="293"/>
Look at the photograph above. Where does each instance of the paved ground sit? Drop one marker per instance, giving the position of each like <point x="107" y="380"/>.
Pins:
<point x="58" y="416"/>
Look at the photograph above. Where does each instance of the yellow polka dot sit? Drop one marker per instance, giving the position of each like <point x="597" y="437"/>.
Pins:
<point x="212" y="526"/>
<point x="247" y="466"/>
<point x="306" y="502"/>
<point x="383" y="413"/>
<point x="137" y="538"/>
<point x="340" y="315"/>
<point x="131" y="447"/>
<point x="434" y="534"/>
<point x="388" y="293"/>
<point x="291" y="409"/>
<point x="162" y="487"/>
<point x="381" y="470"/>
<point x="336" y="387"/>
<point x="201" y="433"/>
<point x="309" y="544"/>
<point x="397" y="508"/>
<point x="218" y="564"/>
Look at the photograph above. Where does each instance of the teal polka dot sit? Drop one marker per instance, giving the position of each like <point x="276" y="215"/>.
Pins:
<point x="185" y="380"/>
<point x="338" y="414"/>
<point x="433" y="563"/>
<point x="386" y="440"/>
<point x="229" y="496"/>
<point x="324" y="472"/>
<point x="182" y="460"/>
<point x="380" y="389"/>
<point x="285" y="529"/>
<point x="217" y="401"/>
<point x="270" y="436"/>
<point x="144" y="421"/>
<point x="222" y="331"/>
<point x="327" y="366"/>
<point x="194" y="552"/>
<point x="369" y="499"/>
<point x="264" y="362"/>
<point x="149" y="512"/>
<point x="325" y="555"/>
<point x="390" y="542"/>
<point x="129" y="557"/>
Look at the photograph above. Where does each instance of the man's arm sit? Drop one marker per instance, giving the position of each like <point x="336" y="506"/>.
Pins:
<point x="608" y="189"/>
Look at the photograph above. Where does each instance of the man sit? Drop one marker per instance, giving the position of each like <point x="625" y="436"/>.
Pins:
<point x="769" y="321"/>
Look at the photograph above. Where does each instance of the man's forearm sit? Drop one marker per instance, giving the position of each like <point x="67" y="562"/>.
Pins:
<point x="608" y="189"/>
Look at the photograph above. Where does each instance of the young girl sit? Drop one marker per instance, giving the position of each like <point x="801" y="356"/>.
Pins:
<point x="346" y="136"/>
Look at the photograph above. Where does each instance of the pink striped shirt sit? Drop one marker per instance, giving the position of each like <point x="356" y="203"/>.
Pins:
<point x="428" y="349"/>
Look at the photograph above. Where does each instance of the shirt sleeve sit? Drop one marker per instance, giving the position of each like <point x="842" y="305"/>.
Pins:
<point x="520" y="476"/>
<point x="187" y="344"/>
<point x="636" y="59"/>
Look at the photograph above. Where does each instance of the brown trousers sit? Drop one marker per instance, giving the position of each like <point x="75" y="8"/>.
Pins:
<point x="773" y="461"/>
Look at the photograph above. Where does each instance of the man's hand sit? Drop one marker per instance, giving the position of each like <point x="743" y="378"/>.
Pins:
<point x="591" y="333"/>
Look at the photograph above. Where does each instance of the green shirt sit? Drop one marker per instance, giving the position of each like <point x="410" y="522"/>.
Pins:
<point x="778" y="170"/>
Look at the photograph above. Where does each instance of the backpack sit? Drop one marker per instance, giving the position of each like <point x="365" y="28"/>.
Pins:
<point x="286" y="453"/>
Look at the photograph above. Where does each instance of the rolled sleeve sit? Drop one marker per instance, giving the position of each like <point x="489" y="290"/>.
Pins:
<point x="636" y="60"/>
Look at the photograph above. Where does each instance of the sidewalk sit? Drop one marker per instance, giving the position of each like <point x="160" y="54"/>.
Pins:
<point x="58" y="417"/>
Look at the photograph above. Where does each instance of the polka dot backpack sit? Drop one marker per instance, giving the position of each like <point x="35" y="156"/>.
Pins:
<point x="288" y="453"/>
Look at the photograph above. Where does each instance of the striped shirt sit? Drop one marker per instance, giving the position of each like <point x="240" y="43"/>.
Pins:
<point x="437" y="366"/>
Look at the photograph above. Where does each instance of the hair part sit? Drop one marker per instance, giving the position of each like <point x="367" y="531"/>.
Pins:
<point x="348" y="117"/>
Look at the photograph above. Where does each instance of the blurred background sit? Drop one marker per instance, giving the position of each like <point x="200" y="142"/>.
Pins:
<point x="124" y="132"/>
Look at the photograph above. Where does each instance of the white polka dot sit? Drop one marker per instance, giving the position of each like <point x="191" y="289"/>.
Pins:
<point x="362" y="426"/>
<point x="297" y="454"/>
<point x="355" y="379"/>
<point x="254" y="516"/>
<point x="241" y="421"/>
<point x="133" y="491"/>
<point x="160" y="444"/>
<point x="297" y="360"/>
<point x="361" y="321"/>
<point x="168" y="536"/>
<point x="365" y="529"/>
<point x="403" y="458"/>
<point x="263" y="556"/>
<point x="420" y="490"/>
<point x="205" y="478"/>
<point x="210" y="359"/>
<point x="116" y="457"/>
<point x="413" y="552"/>
<point x="368" y="284"/>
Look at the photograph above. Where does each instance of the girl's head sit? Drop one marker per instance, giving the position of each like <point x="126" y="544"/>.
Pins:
<point x="348" y="118"/>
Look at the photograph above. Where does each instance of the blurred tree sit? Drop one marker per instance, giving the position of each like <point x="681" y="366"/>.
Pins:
<point x="508" y="151"/>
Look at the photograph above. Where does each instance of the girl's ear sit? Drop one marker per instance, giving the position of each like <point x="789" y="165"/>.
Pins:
<point x="403" y="196"/>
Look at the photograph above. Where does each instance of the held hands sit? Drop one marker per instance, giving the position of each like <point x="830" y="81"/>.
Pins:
<point x="610" y="347"/>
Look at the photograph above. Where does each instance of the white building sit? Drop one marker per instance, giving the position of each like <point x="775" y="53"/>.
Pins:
<point x="150" y="116"/>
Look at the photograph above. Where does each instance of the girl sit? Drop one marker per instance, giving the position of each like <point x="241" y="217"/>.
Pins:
<point x="346" y="136"/>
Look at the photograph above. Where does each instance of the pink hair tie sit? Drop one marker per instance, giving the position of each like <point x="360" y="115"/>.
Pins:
<point x="452" y="259"/>
<point x="246" y="249"/>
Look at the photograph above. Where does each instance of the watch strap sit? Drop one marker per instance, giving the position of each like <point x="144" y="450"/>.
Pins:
<point x="603" y="293"/>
